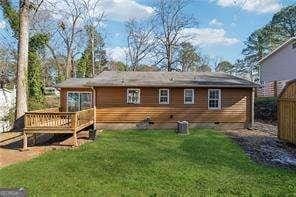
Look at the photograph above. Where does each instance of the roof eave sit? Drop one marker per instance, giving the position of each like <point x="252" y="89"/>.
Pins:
<point x="276" y="50"/>
<point x="176" y="86"/>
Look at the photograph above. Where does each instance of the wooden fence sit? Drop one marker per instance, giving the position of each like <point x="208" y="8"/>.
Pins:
<point x="287" y="113"/>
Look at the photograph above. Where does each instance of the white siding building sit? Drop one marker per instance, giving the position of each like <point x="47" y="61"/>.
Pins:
<point x="7" y="101"/>
<point x="278" y="67"/>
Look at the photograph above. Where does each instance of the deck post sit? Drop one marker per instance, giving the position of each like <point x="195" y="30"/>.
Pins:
<point x="75" y="143"/>
<point x="25" y="141"/>
<point x="94" y="108"/>
<point x="34" y="138"/>
<point x="74" y="126"/>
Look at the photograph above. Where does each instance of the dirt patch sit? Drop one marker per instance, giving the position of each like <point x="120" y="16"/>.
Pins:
<point x="263" y="146"/>
<point x="11" y="144"/>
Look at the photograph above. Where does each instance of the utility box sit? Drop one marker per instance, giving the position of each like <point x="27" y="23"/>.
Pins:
<point x="183" y="127"/>
<point x="92" y="134"/>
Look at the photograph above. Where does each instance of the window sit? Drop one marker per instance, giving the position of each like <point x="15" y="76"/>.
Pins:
<point x="164" y="96"/>
<point x="133" y="96"/>
<point x="77" y="101"/>
<point x="214" y="99"/>
<point x="294" y="45"/>
<point x="188" y="96"/>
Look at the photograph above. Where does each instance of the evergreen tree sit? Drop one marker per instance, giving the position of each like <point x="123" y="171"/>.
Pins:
<point x="285" y="22"/>
<point x="94" y="57"/>
<point x="188" y="57"/>
<point x="226" y="67"/>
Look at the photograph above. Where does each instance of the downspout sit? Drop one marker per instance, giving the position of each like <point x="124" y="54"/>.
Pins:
<point x="94" y="106"/>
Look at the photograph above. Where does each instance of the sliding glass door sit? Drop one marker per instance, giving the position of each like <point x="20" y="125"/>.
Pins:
<point x="77" y="101"/>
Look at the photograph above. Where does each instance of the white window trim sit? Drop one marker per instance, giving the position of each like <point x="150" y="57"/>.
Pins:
<point x="193" y="96"/>
<point x="159" y="96"/>
<point x="79" y="96"/>
<point x="219" y="100"/>
<point x="127" y="90"/>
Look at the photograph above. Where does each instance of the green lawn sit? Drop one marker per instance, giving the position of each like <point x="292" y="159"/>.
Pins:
<point x="157" y="163"/>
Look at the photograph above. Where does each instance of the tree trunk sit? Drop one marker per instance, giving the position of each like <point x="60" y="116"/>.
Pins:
<point x="170" y="59"/>
<point x="92" y="55"/>
<point x="22" y="65"/>
<point x="69" y="64"/>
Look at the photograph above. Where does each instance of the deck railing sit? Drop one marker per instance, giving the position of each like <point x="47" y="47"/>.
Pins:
<point x="53" y="120"/>
<point x="85" y="117"/>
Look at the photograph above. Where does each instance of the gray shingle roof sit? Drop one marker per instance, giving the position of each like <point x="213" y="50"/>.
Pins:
<point x="73" y="83"/>
<point x="159" y="79"/>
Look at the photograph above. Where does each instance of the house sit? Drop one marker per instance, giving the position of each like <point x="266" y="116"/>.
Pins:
<point x="277" y="68"/>
<point x="51" y="91"/>
<point x="130" y="99"/>
<point x="7" y="101"/>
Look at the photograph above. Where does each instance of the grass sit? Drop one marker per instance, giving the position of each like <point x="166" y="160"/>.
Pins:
<point x="150" y="163"/>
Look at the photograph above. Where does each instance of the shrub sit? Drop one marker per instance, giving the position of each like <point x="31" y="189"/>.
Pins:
<point x="266" y="109"/>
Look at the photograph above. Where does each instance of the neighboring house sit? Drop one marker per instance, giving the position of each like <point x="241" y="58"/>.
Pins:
<point x="130" y="99"/>
<point x="277" y="68"/>
<point x="7" y="101"/>
<point x="51" y="91"/>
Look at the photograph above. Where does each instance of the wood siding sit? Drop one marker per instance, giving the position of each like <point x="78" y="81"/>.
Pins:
<point x="112" y="107"/>
<point x="287" y="113"/>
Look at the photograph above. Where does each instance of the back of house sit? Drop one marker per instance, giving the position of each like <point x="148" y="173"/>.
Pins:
<point x="278" y="68"/>
<point x="131" y="99"/>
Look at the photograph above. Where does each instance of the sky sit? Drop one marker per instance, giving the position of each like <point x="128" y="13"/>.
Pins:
<point x="223" y="25"/>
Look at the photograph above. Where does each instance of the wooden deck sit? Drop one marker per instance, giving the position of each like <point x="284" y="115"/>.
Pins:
<point x="53" y="121"/>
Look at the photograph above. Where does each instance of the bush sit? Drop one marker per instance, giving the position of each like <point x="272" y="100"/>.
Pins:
<point x="10" y="116"/>
<point x="266" y="109"/>
<point x="35" y="104"/>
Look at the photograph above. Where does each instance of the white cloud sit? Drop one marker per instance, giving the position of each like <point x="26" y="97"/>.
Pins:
<point x="122" y="10"/>
<point x="117" y="54"/>
<point x="215" y="22"/>
<point x="2" y="24"/>
<point x="117" y="10"/>
<point x="259" y="6"/>
<point x="208" y="36"/>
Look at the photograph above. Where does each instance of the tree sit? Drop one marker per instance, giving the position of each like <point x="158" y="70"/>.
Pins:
<point x="94" y="57"/>
<point x="22" y="62"/>
<point x="93" y="21"/>
<point x="226" y="67"/>
<point x="37" y="42"/>
<point x="257" y="46"/>
<point x="69" y="29"/>
<point x="285" y="22"/>
<point x="35" y="75"/>
<point x="84" y="65"/>
<point x="170" y="20"/>
<point x="188" y="56"/>
<point x="204" y="68"/>
<point x="140" y="42"/>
